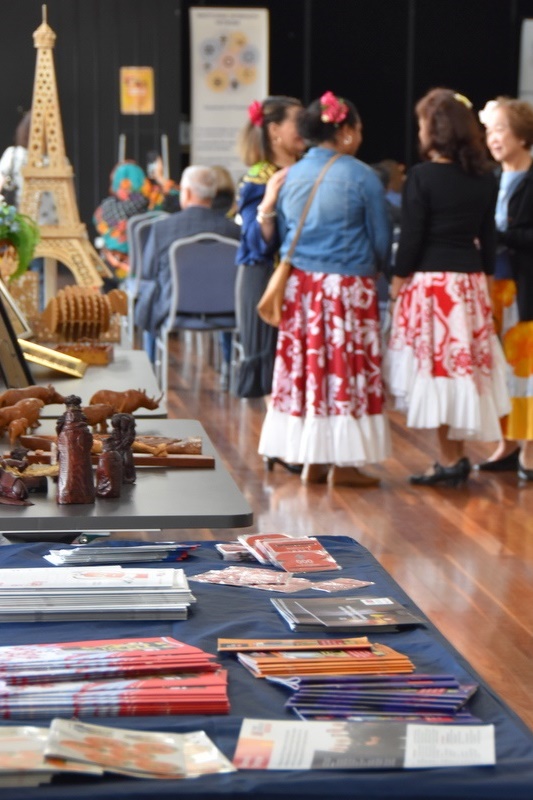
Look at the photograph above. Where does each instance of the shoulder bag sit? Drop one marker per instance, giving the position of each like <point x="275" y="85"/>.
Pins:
<point x="270" y="305"/>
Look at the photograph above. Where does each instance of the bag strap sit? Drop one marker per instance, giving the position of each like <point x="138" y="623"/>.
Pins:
<point x="307" y="206"/>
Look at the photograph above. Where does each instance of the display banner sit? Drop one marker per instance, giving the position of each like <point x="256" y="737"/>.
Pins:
<point x="229" y="69"/>
<point x="525" y="75"/>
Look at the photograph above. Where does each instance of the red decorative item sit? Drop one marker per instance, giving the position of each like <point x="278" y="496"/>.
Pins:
<point x="334" y="109"/>
<point x="255" y="113"/>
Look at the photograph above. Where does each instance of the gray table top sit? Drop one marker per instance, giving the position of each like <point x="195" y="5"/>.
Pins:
<point x="161" y="498"/>
<point x="130" y="369"/>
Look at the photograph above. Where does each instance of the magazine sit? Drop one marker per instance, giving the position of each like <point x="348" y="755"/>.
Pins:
<point x="276" y="744"/>
<point x="357" y="614"/>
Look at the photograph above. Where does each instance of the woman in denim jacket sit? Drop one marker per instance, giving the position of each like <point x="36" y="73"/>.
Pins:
<point x="327" y="398"/>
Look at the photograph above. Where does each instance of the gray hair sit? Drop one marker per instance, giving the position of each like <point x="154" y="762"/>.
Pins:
<point x="202" y="181"/>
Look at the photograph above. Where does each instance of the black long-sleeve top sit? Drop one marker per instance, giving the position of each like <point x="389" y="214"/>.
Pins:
<point x="447" y="222"/>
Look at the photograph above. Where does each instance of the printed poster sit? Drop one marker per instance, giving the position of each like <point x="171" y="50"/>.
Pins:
<point x="229" y="69"/>
<point x="137" y="90"/>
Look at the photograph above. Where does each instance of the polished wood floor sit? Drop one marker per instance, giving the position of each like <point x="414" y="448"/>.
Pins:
<point x="464" y="555"/>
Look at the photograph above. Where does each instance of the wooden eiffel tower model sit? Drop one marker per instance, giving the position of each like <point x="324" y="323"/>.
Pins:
<point x="49" y="170"/>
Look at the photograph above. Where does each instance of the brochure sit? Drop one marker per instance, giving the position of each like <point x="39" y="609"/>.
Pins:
<point x="276" y="744"/>
<point x="357" y="614"/>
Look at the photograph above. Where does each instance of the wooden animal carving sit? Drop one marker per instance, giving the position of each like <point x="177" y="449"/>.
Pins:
<point x="126" y="402"/>
<point x="45" y="393"/>
<point x="16" y="429"/>
<point x="97" y="415"/>
<point x="28" y="409"/>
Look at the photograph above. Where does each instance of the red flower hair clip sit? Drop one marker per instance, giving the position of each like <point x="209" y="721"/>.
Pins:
<point x="255" y="113"/>
<point x="334" y="109"/>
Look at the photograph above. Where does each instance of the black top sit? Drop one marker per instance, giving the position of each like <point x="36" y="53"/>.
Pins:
<point x="447" y="222"/>
<point x="519" y="239"/>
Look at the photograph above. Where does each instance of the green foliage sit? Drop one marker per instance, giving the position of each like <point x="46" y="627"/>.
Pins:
<point x="22" y="233"/>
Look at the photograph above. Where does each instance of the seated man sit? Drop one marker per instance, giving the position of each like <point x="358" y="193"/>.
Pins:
<point x="198" y="187"/>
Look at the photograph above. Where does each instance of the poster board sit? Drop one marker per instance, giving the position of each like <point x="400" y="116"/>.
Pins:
<point x="229" y="69"/>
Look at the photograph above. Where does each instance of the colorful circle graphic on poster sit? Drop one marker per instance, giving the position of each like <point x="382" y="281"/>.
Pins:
<point x="228" y="62"/>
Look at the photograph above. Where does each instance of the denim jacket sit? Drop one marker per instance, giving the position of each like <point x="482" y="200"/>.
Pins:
<point x="347" y="229"/>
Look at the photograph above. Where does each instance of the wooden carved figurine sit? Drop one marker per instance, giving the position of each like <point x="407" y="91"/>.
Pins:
<point x="47" y="394"/>
<point x="109" y="470"/>
<point x="28" y="409"/>
<point x="122" y="437"/>
<point x="126" y="402"/>
<point x="13" y="490"/>
<point x="75" y="482"/>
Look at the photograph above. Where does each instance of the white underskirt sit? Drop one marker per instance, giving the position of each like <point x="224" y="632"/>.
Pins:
<point x="340" y="440"/>
<point x="471" y="412"/>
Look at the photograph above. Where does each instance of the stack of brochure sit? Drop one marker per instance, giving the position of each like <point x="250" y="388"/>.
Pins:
<point x="428" y="698"/>
<point x="22" y="759"/>
<point x="349" y="614"/>
<point x="115" y="552"/>
<point x="271" y="657"/>
<point x="93" y="593"/>
<point x="302" y="554"/>
<point x="110" y="677"/>
<point x="139" y="754"/>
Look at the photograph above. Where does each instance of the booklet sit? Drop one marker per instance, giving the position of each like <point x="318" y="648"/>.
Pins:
<point x="277" y="744"/>
<point x="357" y="614"/>
<point x="140" y="754"/>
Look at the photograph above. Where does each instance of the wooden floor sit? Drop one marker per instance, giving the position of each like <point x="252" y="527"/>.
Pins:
<point x="464" y="555"/>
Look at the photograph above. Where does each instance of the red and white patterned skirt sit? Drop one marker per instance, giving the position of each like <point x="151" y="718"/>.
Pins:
<point x="327" y="398"/>
<point x="444" y="363"/>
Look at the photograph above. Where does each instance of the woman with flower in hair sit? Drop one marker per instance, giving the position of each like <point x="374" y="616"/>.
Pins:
<point x="509" y="130"/>
<point x="327" y="409"/>
<point x="444" y="363"/>
<point x="268" y="145"/>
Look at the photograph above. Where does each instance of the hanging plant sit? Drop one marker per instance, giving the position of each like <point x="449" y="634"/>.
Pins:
<point x="19" y="232"/>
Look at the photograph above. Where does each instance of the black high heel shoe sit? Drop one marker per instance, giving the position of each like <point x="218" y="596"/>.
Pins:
<point x="449" y="476"/>
<point x="524" y="473"/>
<point x="507" y="463"/>
<point x="295" y="469"/>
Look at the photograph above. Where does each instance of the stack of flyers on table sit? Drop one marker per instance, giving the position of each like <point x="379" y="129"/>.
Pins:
<point x="139" y="754"/>
<point x="303" y="554"/>
<point x="120" y="552"/>
<point x="277" y="744"/>
<point x="22" y="759"/>
<point x="355" y="614"/>
<point x="110" y="677"/>
<point x="428" y="698"/>
<point x="93" y="593"/>
<point x="267" y="579"/>
<point x="277" y="657"/>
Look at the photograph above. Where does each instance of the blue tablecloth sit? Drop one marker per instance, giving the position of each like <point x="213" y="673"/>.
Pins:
<point x="224" y="611"/>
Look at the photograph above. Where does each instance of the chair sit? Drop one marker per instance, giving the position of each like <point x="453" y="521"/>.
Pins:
<point x="137" y="231"/>
<point x="203" y="274"/>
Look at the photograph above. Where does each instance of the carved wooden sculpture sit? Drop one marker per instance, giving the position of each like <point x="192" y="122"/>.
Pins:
<point x="97" y="416"/>
<point x="45" y="393"/>
<point x="75" y="482"/>
<point x="13" y="490"/>
<point x="122" y="438"/>
<point x="109" y="472"/>
<point x="126" y="402"/>
<point x="28" y="409"/>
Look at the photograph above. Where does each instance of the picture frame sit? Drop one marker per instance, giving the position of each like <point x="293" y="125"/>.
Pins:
<point x="19" y="323"/>
<point x="14" y="368"/>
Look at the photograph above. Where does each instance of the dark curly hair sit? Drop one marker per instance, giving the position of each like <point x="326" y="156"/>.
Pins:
<point x="453" y="130"/>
